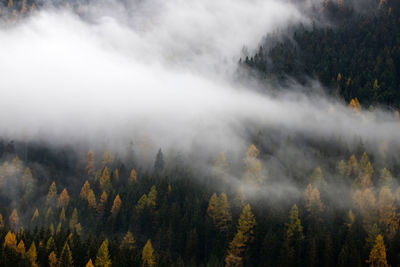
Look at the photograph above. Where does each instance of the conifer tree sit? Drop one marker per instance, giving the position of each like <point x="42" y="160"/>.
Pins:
<point x="27" y="181"/>
<point x="1" y="222"/>
<point x="91" y="199"/>
<point x="128" y="241"/>
<point x="388" y="217"/>
<point x="313" y="203"/>
<point x="223" y="215"/>
<point x="385" y="178"/>
<point x="152" y="197"/>
<point x="105" y="182"/>
<point x="63" y="199"/>
<point x="377" y="256"/>
<point x="31" y="254"/>
<point x="21" y="248"/>
<point x="102" y="257"/>
<point x="353" y="168"/>
<point x="342" y="167"/>
<point x="65" y="259"/>
<point x="85" y="190"/>
<point x="116" y="205"/>
<point x="90" y="167"/>
<point x="107" y="158"/>
<point x="52" y="194"/>
<point x="317" y="178"/>
<point x="10" y="240"/>
<point x="212" y="206"/>
<point x="293" y="238"/>
<point x="89" y="263"/>
<point x="148" y="255"/>
<point x="247" y="222"/>
<point x="102" y="203"/>
<point x="132" y="176"/>
<point x="73" y="223"/>
<point x="53" y="262"/>
<point x="35" y="216"/>
<point x="14" y="219"/>
<point x="116" y="175"/>
<point x="221" y="165"/>
<point x="253" y="166"/>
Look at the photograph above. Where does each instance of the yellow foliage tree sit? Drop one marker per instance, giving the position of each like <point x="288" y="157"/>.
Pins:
<point x="148" y="255"/>
<point x="10" y="240"/>
<point x="102" y="257"/>
<point x="31" y="254"/>
<point x="116" y="205"/>
<point x="313" y="203"/>
<point x="388" y="217"/>
<point x="90" y="167"/>
<point x="253" y="166"/>
<point x="63" y="199"/>
<point x="132" y="176"/>
<point x="53" y="262"/>
<point x="14" y="219"/>
<point x="21" y="248"/>
<point x="52" y="194"/>
<point x="377" y="256"/>
<point x="85" y="190"/>
<point x="355" y="105"/>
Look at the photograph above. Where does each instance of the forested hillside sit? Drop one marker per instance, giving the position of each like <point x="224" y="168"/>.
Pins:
<point x="358" y="55"/>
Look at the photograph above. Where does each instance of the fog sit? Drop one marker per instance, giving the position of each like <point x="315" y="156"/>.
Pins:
<point x="163" y="69"/>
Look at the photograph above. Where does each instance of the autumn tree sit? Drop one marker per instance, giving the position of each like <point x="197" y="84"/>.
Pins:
<point x="148" y="255"/>
<point x="365" y="202"/>
<point x="377" y="256"/>
<point x="89" y="263"/>
<point x="63" y="199"/>
<point x="116" y="205"/>
<point x="253" y="166"/>
<point x="387" y="212"/>
<point x="355" y="105"/>
<point x="90" y="167"/>
<point x="152" y="197"/>
<point x="317" y="178"/>
<point x="14" y="219"/>
<point x="102" y="257"/>
<point x="342" y="167"/>
<point x="132" y="176"/>
<point x="10" y="240"/>
<point x="220" y="164"/>
<point x="128" y="241"/>
<point x="246" y="223"/>
<point x="294" y="237"/>
<point x="52" y="194"/>
<point x="27" y="182"/>
<point x="85" y="190"/>
<point x="65" y="259"/>
<point x="107" y="158"/>
<point x="31" y="254"/>
<point x="353" y="168"/>
<point x="219" y="210"/>
<point x="91" y="199"/>
<point x="53" y="261"/>
<point x="385" y="178"/>
<point x="105" y="182"/>
<point x="313" y="203"/>
<point x="35" y="216"/>
<point x="102" y="203"/>
<point x="21" y="248"/>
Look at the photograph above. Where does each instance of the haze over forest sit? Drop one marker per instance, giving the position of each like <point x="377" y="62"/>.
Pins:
<point x="199" y="133"/>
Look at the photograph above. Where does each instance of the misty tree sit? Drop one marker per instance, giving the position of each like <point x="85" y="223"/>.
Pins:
<point x="377" y="256"/>
<point x="159" y="163"/>
<point x="148" y="255"/>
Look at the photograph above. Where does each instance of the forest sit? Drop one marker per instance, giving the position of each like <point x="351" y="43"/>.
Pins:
<point x="277" y="196"/>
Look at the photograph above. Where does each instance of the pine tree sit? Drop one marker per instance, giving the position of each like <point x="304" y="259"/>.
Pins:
<point x="377" y="256"/>
<point x="63" y="199"/>
<point x="102" y="257"/>
<point x="53" y="262"/>
<point x="159" y="163"/>
<point x="148" y="255"/>
<point x="116" y="205"/>
<point x="90" y="167"/>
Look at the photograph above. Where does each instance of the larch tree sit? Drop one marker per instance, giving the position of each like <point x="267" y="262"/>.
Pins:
<point x="116" y="205"/>
<point x="355" y="105"/>
<point x="317" y="178"/>
<point x="247" y="222"/>
<point x="91" y="199"/>
<point x="128" y="241"/>
<point x="253" y="166"/>
<point x="353" y="168"/>
<point x="53" y="261"/>
<point x="105" y="182"/>
<point x="31" y="254"/>
<point x="85" y="190"/>
<point x="132" y="176"/>
<point x="385" y="178"/>
<point x="107" y="158"/>
<point x="235" y="250"/>
<point x="14" y="219"/>
<point x="27" y="181"/>
<point x="220" y="164"/>
<point x="377" y="256"/>
<point x="313" y="203"/>
<point x="102" y="203"/>
<point x="52" y="194"/>
<point x="103" y="257"/>
<point x="1" y="222"/>
<point x="116" y="175"/>
<point x="152" y="197"/>
<point x="73" y="222"/>
<point x="342" y="168"/>
<point x="223" y="215"/>
<point x="89" y="263"/>
<point x="21" y="248"/>
<point x="35" y="217"/>
<point x="294" y="237"/>
<point x="148" y="255"/>
<point x="388" y="217"/>
<point x="10" y="240"/>
<point x="63" y="199"/>
<point x="65" y="259"/>
<point x="212" y="206"/>
<point x="90" y="166"/>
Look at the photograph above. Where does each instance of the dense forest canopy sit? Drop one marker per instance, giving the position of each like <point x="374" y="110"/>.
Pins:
<point x="190" y="170"/>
